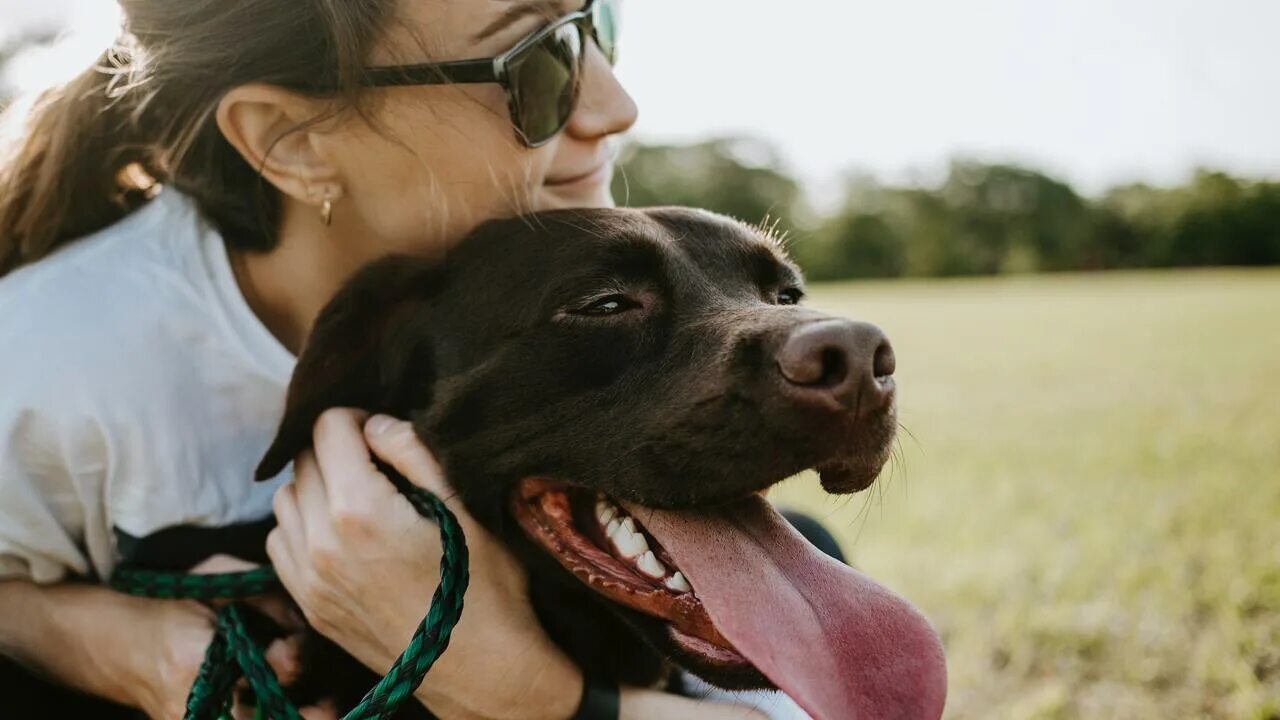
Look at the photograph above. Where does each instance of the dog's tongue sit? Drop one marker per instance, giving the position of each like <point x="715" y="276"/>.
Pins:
<point x="839" y="644"/>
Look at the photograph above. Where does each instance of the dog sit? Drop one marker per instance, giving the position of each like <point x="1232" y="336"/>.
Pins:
<point x="610" y="391"/>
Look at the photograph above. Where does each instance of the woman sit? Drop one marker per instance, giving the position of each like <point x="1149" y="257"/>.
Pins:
<point x="147" y="337"/>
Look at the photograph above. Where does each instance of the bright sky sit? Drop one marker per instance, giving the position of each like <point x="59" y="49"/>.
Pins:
<point x="1098" y="91"/>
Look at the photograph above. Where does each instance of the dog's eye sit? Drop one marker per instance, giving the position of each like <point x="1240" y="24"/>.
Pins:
<point x="607" y="305"/>
<point x="789" y="296"/>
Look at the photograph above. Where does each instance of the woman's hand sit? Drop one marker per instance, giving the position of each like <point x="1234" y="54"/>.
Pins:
<point x="362" y="565"/>
<point x="181" y="631"/>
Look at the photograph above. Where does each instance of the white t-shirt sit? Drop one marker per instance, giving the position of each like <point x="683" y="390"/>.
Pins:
<point x="138" y="391"/>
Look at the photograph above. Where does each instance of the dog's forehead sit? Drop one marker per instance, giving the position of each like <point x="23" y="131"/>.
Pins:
<point x="693" y="248"/>
<point x="705" y="238"/>
<point x="726" y="250"/>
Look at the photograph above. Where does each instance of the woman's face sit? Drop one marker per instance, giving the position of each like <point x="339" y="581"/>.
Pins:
<point x="440" y="159"/>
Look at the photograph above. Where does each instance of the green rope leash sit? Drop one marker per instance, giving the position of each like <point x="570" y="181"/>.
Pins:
<point x="233" y="653"/>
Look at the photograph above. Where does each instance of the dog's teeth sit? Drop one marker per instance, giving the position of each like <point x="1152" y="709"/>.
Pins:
<point x="605" y="512"/>
<point x="678" y="583"/>
<point x="612" y="528"/>
<point x="630" y="525"/>
<point x="630" y="545"/>
<point x="651" y="566"/>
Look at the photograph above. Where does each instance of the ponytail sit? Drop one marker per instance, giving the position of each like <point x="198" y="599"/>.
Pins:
<point x="91" y="151"/>
<point x="64" y="172"/>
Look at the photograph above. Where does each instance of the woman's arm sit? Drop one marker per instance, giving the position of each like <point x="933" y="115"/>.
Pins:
<point x="134" y="651"/>
<point x="138" y="652"/>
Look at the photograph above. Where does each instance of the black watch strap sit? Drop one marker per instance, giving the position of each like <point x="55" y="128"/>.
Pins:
<point x="599" y="700"/>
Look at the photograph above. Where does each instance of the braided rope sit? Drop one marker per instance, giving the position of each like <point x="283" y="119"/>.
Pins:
<point x="233" y="653"/>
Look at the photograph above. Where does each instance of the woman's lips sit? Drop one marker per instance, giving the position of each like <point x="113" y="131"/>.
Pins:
<point x="596" y="176"/>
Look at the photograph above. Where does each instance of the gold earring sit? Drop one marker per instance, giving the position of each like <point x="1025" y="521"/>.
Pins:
<point x="326" y="212"/>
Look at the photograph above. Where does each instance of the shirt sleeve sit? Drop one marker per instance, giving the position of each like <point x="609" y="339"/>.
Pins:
<point x="46" y="494"/>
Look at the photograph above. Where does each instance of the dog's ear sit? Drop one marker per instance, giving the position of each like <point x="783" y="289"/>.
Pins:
<point x="368" y="349"/>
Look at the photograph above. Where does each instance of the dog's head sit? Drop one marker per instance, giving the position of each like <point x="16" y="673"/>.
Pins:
<point x="609" y="390"/>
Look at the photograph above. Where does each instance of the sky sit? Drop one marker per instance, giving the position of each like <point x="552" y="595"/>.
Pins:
<point x="1095" y="91"/>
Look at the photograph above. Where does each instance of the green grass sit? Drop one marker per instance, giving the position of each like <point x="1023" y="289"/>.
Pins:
<point x="1087" y="502"/>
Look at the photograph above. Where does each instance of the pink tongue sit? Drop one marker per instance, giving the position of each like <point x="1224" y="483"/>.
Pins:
<point x="836" y="642"/>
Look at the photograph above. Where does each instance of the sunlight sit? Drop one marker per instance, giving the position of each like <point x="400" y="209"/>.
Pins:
<point x="91" y="28"/>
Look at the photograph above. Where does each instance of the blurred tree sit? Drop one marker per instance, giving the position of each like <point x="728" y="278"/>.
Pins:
<point x="1214" y="220"/>
<point x="1227" y="222"/>
<point x="852" y="245"/>
<point x="1007" y="218"/>
<point x="739" y="177"/>
<point x="981" y="219"/>
<point x="856" y="240"/>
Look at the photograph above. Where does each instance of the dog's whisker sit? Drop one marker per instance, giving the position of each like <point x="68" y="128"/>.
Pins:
<point x="902" y="426"/>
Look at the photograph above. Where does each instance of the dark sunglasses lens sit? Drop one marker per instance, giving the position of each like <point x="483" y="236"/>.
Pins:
<point x="545" y="84"/>
<point x="604" y="16"/>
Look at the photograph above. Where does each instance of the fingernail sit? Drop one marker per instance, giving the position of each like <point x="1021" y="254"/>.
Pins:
<point x="379" y="424"/>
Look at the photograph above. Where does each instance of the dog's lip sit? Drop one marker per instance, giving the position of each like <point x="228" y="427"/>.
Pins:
<point x="543" y="509"/>
<point x="707" y="653"/>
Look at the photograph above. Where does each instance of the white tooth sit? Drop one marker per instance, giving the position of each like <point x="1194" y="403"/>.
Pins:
<point x="678" y="583"/>
<point x="630" y="525"/>
<point x="613" y="528"/>
<point x="605" y="513"/>
<point x="651" y="566"/>
<point x="630" y="546"/>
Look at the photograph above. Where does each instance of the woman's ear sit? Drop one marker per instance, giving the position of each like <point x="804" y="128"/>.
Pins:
<point x="369" y="349"/>
<point x="274" y="130"/>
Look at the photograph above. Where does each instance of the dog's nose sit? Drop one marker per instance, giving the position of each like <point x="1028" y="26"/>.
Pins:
<point x="837" y="364"/>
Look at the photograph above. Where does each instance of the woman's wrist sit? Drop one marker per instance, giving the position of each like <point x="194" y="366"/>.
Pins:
<point x="533" y="682"/>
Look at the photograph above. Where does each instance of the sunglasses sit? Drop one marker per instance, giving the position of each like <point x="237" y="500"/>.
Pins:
<point x="542" y="74"/>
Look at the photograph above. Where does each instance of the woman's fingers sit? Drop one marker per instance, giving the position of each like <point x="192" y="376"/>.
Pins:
<point x="218" y="564"/>
<point x="311" y="503"/>
<point x="283" y="655"/>
<point x="396" y="444"/>
<point x="353" y="486"/>
<point x="286" y="543"/>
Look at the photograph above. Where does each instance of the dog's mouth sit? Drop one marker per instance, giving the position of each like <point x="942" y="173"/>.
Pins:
<point x="741" y="593"/>
<point x="606" y="548"/>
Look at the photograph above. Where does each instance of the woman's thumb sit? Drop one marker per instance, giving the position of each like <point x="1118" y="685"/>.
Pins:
<point x="395" y="443"/>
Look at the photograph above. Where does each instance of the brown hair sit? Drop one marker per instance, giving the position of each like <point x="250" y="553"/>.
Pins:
<point x="146" y="112"/>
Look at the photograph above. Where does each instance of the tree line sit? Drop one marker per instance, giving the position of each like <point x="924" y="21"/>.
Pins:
<point x="980" y="219"/>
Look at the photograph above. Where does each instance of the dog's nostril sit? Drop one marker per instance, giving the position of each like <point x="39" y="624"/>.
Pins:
<point x="884" y="362"/>
<point x="835" y="367"/>
<point x="814" y="366"/>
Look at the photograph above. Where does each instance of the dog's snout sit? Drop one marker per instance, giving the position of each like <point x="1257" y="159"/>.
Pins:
<point x="836" y="364"/>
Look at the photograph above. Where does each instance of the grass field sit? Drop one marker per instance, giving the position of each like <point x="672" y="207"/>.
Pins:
<point x="1087" y="503"/>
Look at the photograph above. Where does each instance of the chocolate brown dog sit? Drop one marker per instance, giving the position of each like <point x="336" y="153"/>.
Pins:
<point x="609" y="391"/>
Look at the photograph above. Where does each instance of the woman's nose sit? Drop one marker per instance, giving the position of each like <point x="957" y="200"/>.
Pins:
<point x="604" y="107"/>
